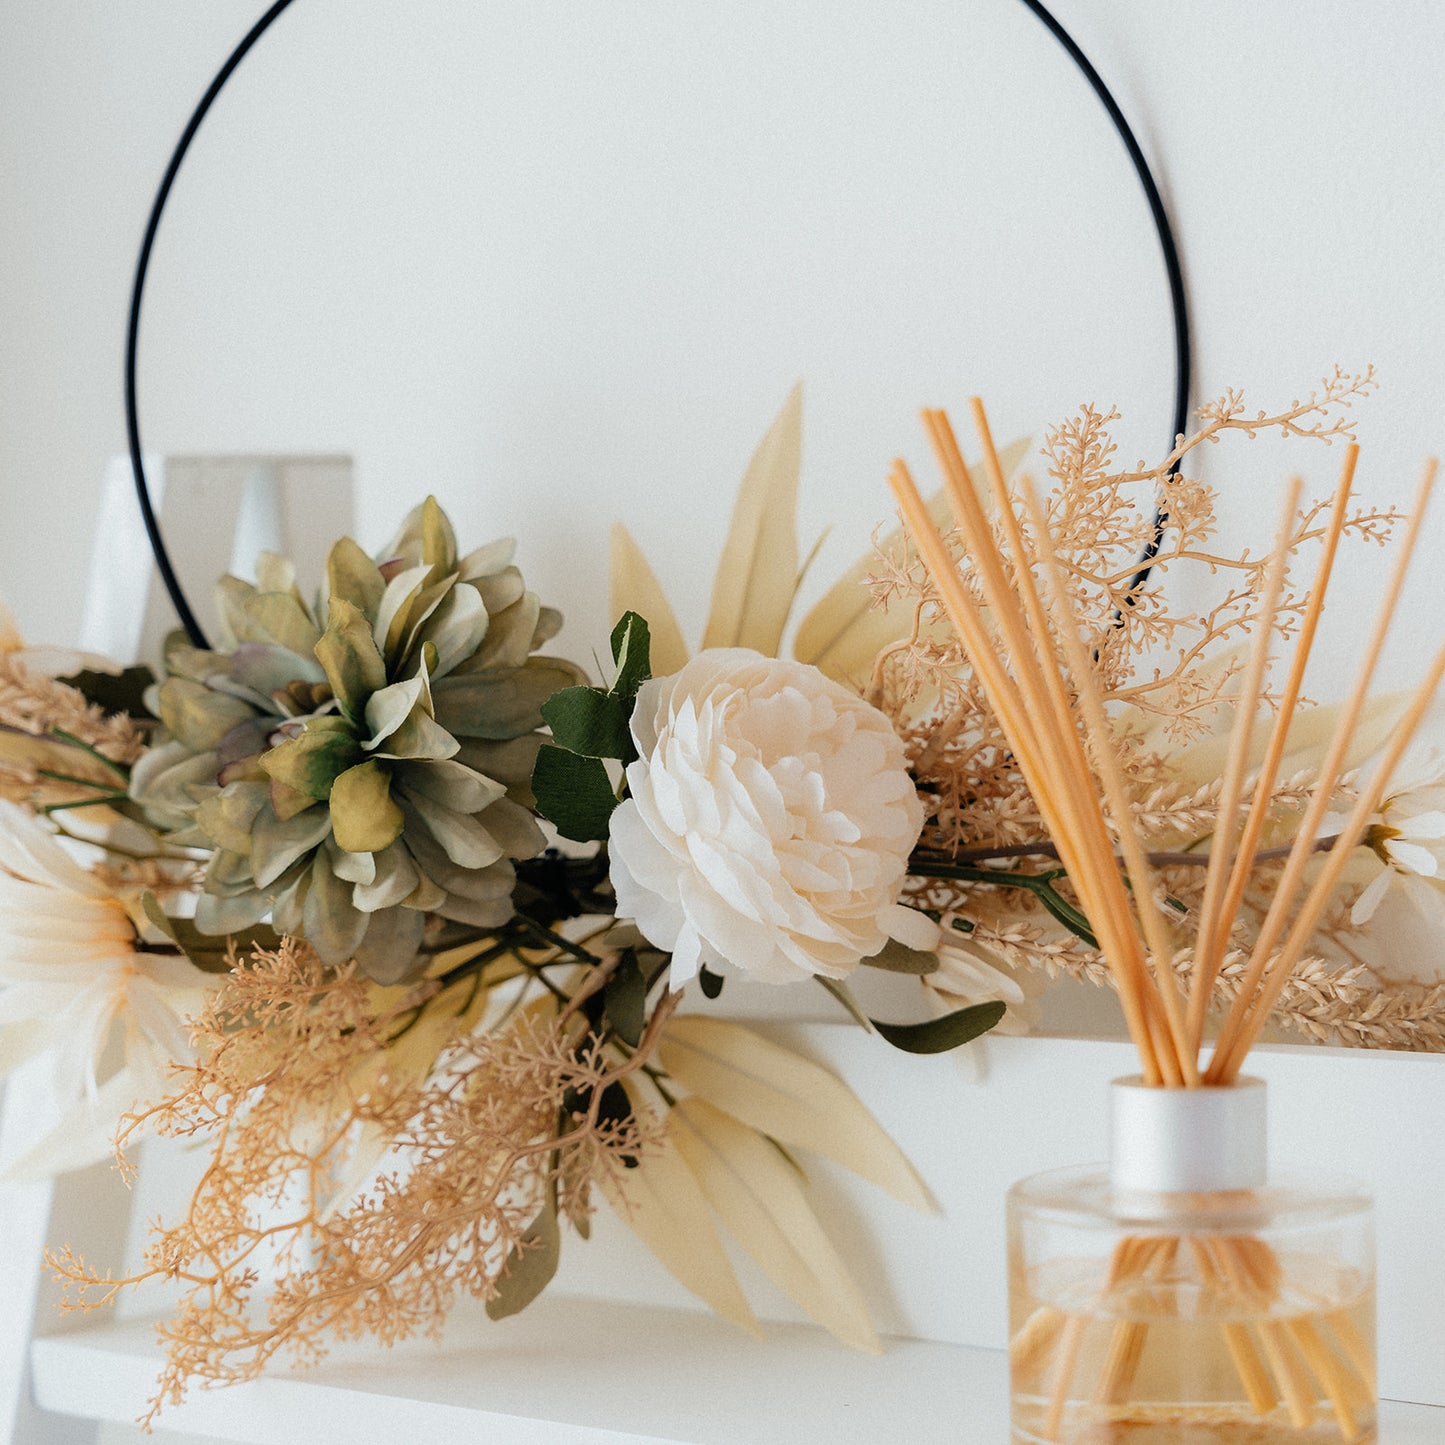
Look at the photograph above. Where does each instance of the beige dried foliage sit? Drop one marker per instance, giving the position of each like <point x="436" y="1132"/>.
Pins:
<point x="37" y="704"/>
<point x="1165" y="675"/>
<point x="38" y="767"/>
<point x="295" y="1065"/>
<point x="1322" y="1002"/>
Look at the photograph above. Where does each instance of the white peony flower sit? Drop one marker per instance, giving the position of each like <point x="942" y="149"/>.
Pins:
<point x="73" y="978"/>
<point x="1408" y="834"/>
<point x="770" y="822"/>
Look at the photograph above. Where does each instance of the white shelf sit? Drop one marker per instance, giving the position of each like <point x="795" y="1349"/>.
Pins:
<point x="582" y="1372"/>
<point x="614" y="1354"/>
<point x="579" y="1371"/>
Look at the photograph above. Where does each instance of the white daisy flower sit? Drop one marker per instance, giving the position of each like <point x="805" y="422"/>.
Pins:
<point x="969" y="973"/>
<point x="77" y="982"/>
<point x="1408" y="834"/>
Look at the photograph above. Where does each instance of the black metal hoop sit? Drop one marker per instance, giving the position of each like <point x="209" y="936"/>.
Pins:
<point x="1177" y="299"/>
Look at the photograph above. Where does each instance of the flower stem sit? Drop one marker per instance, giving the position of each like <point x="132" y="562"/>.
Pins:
<point x="119" y="769"/>
<point x="1041" y="885"/>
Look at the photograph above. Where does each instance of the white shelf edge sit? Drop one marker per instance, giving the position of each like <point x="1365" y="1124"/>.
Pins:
<point x="632" y="1375"/>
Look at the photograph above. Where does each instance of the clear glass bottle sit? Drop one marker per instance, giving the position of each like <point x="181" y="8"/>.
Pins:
<point x="1177" y="1298"/>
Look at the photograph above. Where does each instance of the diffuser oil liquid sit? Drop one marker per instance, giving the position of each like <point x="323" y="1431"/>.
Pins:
<point x="1190" y="1319"/>
<point x="1161" y="1365"/>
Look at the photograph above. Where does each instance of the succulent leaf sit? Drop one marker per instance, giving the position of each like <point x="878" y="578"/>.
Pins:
<point x="363" y="816"/>
<point x="414" y="716"/>
<point x="282" y="619"/>
<point x="312" y="763"/>
<point x="353" y="577"/>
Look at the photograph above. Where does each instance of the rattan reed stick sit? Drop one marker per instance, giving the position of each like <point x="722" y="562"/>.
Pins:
<point x="1215" y="947"/>
<point x="1208" y="952"/>
<point x="1053" y="735"/>
<point x="1106" y="764"/>
<point x="1036" y="665"/>
<point x="1229" y="1059"/>
<point x="1038" y="755"/>
<point x="1227" y="1056"/>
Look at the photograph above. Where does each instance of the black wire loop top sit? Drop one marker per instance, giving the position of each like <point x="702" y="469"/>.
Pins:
<point x="1174" y="272"/>
<point x="132" y="335"/>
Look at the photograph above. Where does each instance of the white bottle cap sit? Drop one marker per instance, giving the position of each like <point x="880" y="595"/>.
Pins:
<point x="1168" y="1141"/>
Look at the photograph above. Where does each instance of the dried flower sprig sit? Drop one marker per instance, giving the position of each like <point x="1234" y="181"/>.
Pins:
<point x="298" y="1070"/>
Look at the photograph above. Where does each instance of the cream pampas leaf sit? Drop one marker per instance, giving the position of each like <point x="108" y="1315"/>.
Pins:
<point x="843" y="632"/>
<point x="760" y="1200"/>
<point x="1202" y="762"/>
<point x="758" y="574"/>
<point x="664" y="1206"/>
<point x="788" y="1097"/>
<point x="635" y="588"/>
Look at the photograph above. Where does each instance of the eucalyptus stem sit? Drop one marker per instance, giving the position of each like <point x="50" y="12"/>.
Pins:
<point x="556" y="940"/>
<point x="1041" y="885"/>
<point x="108" y="788"/>
<point x="94" y="802"/>
<point x="119" y="769"/>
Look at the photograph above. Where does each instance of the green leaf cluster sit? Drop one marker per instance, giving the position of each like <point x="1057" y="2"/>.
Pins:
<point x="591" y="725"/>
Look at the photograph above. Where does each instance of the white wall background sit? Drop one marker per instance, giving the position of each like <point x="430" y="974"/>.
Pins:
<point x="559" y="263"/>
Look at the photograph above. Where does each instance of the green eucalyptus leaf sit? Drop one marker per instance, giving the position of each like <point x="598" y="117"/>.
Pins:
<point x="895" y="957"/>
<point x="588" y="721"/>
<point x="631" y="649"/>
<point x="624" y="1000"/>
<point x="573" y="793"/>
<point x="530" y="1265"/>
<point x="1060" y="908"/>
<point x="364" y="818"/>
<point x="937" y="1036"/>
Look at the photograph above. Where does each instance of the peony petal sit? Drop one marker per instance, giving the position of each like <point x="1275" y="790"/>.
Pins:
<point x="910" y="928"/>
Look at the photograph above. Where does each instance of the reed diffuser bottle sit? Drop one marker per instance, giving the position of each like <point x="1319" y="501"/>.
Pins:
<point x="1177" y="1297"/>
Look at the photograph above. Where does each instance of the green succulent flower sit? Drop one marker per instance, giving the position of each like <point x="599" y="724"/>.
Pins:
<point x="358" y="771"/>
